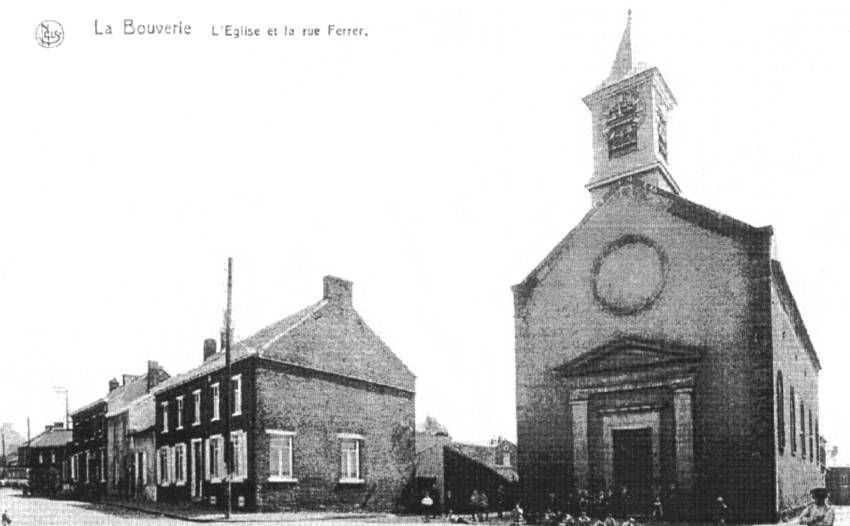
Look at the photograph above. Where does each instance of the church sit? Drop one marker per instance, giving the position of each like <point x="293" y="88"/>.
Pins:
<point x="658" y="346"/>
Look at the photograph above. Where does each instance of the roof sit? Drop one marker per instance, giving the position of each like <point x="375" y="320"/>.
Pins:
<point x="696" y="214"/>
<point x="141" y="414"/>
<point x="52" y="438"/>
<point x="88" y="406"/>
<point x="328" y="336"/>
<point x="501" y="473"/>
<point x="790" y="307"/>
<point x="119" y="399"/>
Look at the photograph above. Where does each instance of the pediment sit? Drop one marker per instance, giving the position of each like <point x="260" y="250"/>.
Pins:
<point x="628" y="354"/>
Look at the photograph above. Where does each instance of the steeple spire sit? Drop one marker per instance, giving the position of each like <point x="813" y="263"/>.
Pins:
<point x="622" y="65"/>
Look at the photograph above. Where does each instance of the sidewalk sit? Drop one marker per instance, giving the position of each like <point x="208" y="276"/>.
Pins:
<point x="200" y="513"/>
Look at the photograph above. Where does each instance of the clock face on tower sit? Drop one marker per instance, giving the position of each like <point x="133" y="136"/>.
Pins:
<point x="629" y="275"/>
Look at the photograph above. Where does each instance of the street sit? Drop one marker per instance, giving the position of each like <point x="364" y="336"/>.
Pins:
<point x="47" y="512"/>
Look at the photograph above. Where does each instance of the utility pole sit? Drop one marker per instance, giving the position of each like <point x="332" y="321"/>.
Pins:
<point x="228" y="454"/>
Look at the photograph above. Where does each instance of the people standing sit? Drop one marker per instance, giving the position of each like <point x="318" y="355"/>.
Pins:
<point x="818" y="513"/>
<point x="6" y="519"/>
<point x="500" y="500"/>
<point x="720" y="512"/>
<point x="427" y="505"/>
<point x="473" y="504"/>
<point x="483" y="506"/>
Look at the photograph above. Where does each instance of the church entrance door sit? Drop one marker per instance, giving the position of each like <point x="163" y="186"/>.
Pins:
<point x="633" y="466"/>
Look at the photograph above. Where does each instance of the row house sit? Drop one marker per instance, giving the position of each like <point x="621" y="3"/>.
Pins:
<point x="121" y="467"/>
<point x="322" y="415"/>
<point x="45" y="456"/>
<point x="89" y="463"/>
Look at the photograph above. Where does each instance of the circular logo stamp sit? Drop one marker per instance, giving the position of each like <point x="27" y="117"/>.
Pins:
<point x="49" y="34"/>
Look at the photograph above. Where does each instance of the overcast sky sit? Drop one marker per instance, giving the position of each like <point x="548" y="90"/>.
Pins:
<point x="434" y="163"/>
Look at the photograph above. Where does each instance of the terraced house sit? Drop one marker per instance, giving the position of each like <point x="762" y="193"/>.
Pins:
<point x="322" y="415"/>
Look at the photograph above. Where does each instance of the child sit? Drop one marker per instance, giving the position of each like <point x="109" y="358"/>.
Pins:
<point x="6" y="519"/>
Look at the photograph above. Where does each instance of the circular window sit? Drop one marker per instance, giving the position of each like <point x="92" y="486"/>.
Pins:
<point x="629" y="274"/>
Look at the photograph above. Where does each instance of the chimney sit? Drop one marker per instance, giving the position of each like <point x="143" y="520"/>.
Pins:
<point x="113" y="385"/>
<point x="48" y="427"/>
<point x="127" y="378"/>
<point x="59" y="425"/>
<point x="337" y="290"/>
<point x="209" y="347"/>
<point x="154" y="375"/>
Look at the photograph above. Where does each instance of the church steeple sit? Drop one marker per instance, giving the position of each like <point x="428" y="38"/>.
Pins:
<point x="629" y="112"/>
<point x="622" y="65"/>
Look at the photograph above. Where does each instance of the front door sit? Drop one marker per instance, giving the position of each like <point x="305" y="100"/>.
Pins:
<point x="633" y="467"/>
<point x="197" y="470"/>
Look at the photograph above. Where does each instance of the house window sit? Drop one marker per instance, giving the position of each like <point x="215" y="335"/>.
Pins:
<point x="780" y="413"/>
<point x="196" y="407"/>
<point x="215" y="458"/>
<point x="162" y="467"/>
<point x="280" y="455"/>
<point x="350" y="445"/>
<point x="216" y="402"/>
<point x="179" y="412"/>
<point x="506" y="460"/>
<point x="164" y="417"/>
<point x="41" y="458"/>
<point x="74" y="467"/>
<point x="236" y="394"/>
<point x="792" y="419"/>
<point x="53" y="456"/>
<point x="239" y="455"/>
<point x="102" y="466"/>
<point x="180" y="464"/>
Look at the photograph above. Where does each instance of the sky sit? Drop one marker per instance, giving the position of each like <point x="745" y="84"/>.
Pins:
<point x="433" y="162"/>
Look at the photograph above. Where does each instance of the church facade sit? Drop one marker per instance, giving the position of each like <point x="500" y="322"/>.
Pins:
<point x="658" y="345"/>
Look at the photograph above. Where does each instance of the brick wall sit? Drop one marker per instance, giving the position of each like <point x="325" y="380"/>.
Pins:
<point x="317" y="408"/>
<point x="797" y="473"/>
<point x="713" y="299"/>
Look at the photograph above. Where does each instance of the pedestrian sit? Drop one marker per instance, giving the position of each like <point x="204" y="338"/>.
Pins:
<point x="630" y="522"/>
<point x="584" y="520"/>
<point x="483" y="506"/>
<point x="610" y="520"/>
<point x="818" y="513"/>
<point x="500" y="499"/>
<point x="473" y="505"/>
<point x="6" y="519"/>
<point x="427" y="505"/>
<point x="657" y="509"/>
<point x="720" y="511"/>
<point x="517" y="517"/>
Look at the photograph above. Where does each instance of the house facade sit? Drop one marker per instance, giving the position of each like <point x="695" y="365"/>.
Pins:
<point x="45" y="456"/>
<point x="658" y="345"/>
<point x="141" y="420"/>
<point x="322" y="416"/>
<point x="120" y="459"/>
<point x="88" y="449"/>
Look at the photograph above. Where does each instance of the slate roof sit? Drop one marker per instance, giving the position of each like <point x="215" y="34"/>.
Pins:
<point x="790" y="306"/>
<point x="304" y="340"/>
<point x="52" y="438"/>
<point x="141" y="414"/>
<point x="119" y="399"/>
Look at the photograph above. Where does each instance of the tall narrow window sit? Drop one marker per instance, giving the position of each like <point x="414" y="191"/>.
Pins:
<point x="350" y="457"/>
<point x="180" y="412"/>
<point x="164" y="417"/>
<point x="236" y="394"/>
<point x="216" y="457"/>
<point x="180" y="464"/>
<point x="780" y="413"/>
<point x="802" y="430"/>
<point x="280" y="455"/>
<point x="792" y="419"/>
<point x="811" y="439"/>
<point x="196" y="407"/>
<point x="216" y="401"/>
<point x="239" y="452"/>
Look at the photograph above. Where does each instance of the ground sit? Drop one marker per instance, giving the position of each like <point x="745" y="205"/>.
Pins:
<point x="46" y="512"/>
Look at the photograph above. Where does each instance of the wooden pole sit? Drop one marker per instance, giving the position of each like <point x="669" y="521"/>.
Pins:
<point x="228" y="454"/>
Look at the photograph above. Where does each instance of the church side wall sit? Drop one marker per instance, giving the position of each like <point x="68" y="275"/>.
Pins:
<point x="707" y="302"/>
<point x="797" y="472"/>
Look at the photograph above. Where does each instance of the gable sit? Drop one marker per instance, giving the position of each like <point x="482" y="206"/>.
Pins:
<point x="335" y="339"/>
<point x="645" y="197"/>
<point x="629" y="354"/>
